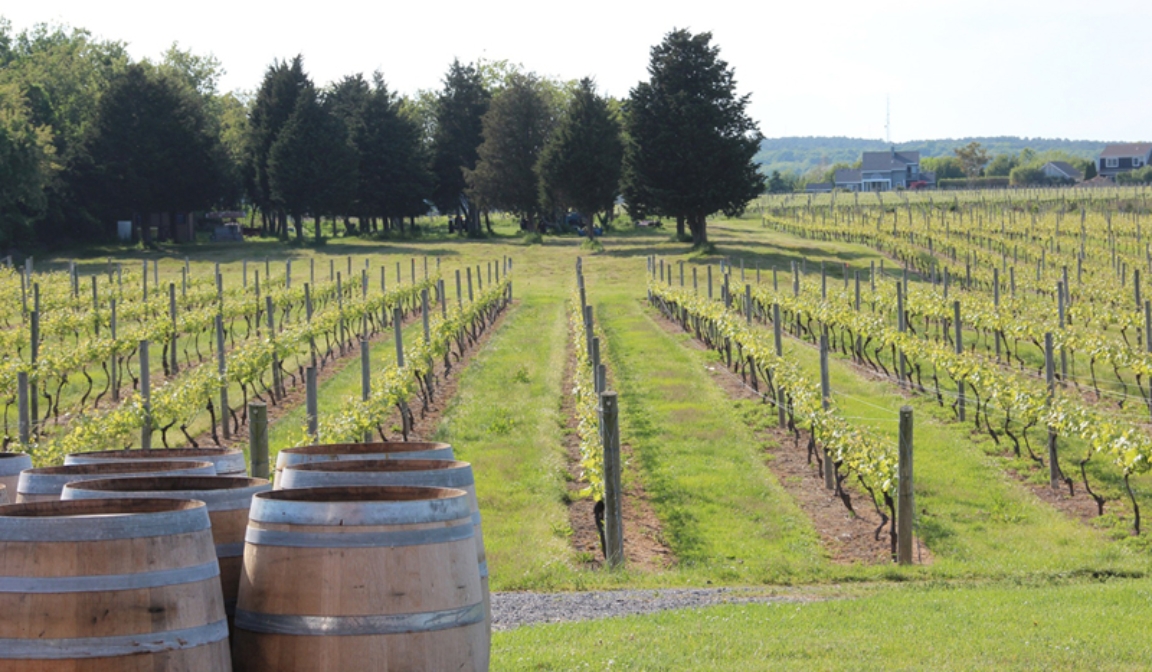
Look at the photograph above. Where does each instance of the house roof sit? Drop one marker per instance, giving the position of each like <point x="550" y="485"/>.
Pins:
<point x="1127" y="149"/>
<point x="1067" y="168"/>
<point x="819" y="186"/>
<point x="848" y="175"/>
<point x="889" y="160"/>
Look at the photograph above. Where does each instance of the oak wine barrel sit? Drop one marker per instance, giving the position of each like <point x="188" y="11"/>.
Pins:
<point x="46" y="484"/>
<point x="115" y="585"/>
<point x="425" y="473"/>
<point x="385" y="450"/>
<point x="228" y="461"/>
<point x="228" y="499"/>
<point x="359" y="579"/>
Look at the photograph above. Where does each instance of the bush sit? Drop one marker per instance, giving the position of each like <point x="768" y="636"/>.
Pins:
<point x="973" y="183"/>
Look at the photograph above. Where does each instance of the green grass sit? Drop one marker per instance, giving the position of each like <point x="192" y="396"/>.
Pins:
<point x="1077" y="626"/>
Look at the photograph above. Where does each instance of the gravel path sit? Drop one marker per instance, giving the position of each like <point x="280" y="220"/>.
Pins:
<point x="512" y="610"/>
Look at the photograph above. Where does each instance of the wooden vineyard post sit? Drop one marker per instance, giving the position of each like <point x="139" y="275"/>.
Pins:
<point x="174" y="366"/>
<point x="709" y="282"/>
<point x="901" y="327"/>
<point x="459" y="294"/>
<point x="825" y="401"/>
<point x="959" y="343"/>
<point x="25" y="426"/>
<point x="365" y="377"/>
<point x="311" y="405"/>
<point x="1050" y="375"/>
<point x="114" y="364"/>
<point x="397" y="328"/>
<point x="996" y="304"/>
<point x="777" y="333"/>
<point x="222" y="369"/>
<point x="695" y="282"/>
<point x="613" y="520"/>
<point x="471" y="299"/>
<point x="1060" y="289"/>
<point x="748" y="302"/>
<point x="443" y="302"/>
<point x="588" y="329"/>
<point x="1148" y="336"/>
<point x="34" y="347"/>
<point x="258" y="438"/>
<point x="275" y="358"/>
<point x="145" y="396"/>
<point x="906" y="502"/>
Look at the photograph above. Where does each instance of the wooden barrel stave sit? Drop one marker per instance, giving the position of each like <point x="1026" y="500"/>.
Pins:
<point x="415" y="472"/>
<point x="228" y="499"/>
<point x="110" y="586"/>
<point x="376" y="578"/>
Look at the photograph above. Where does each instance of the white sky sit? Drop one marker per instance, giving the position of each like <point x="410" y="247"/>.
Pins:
<point x="1059" y="68"/>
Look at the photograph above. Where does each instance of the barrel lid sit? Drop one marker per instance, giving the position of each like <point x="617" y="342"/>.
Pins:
<point x="227" y="460"/>
<point x="361" y="506"/>
<point x="435" y="473"/>
<point x="220" y="493"/>
<point x="383" y="450"/>
<point x="99" y="520"/>
<point x="14" y="463"/>
<point x="51" y="480"/>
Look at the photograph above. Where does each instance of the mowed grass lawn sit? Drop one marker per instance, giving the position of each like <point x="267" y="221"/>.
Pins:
<point x="1078" y="626"/>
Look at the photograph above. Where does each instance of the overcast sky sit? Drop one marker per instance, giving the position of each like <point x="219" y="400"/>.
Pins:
<point x="1059" y="68"/>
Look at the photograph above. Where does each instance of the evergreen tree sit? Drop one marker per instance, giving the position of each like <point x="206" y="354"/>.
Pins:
<point x="690" y="143"/>
<point x="311" y="165"/>
<point x="274" y="104"/>
<point x="152" y="148"/>
<point x="516" y="126"/>
<point x="457" y="136"/>
<point x="580" y="166"/>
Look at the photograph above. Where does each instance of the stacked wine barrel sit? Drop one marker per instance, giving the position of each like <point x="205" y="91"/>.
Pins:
<point x="366" y="557"/>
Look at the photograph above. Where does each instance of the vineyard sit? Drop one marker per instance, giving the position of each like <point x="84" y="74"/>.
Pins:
<point x="751" y="444"/>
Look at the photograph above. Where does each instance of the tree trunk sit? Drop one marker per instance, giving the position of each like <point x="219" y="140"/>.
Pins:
<point x="589" y="224"/>
<point x="488" y="223"/>
<point x="299" y="221"/>
<point x="699" y="230"/>
<point x="319" y="222"/>
<point x="679" y="227"/>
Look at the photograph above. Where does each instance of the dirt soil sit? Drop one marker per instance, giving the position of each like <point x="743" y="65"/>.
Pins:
<point x="425" y="419"/>
<point x="848" y="537"/>
<point x="644" y="547"/>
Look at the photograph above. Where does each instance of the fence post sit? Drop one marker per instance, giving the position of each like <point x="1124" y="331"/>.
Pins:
<point x="25" y="426"/>
<point x="258" y="438"/>
<point x="146" y="395"/>
<point x="397" y="327"/>
<point x="777" y="333"/>
<point x="311" y="410"/>
<point x="906" y="502"/>
<point x="959" y="343"/>
<point x="613" y="520"/>
<point x="34" y="337"/>
<point x="1050" y="375"/>
<point x="275" y="358"/>
<point x="222" y="368"/>
<point x="459" y="294"/>
<point x="826" y="402"/>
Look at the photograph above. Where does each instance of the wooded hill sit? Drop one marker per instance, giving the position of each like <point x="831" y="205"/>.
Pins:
<point x="798" y="155"/>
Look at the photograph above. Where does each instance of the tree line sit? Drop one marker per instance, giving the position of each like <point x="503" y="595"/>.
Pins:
<point x="89" y="137"/>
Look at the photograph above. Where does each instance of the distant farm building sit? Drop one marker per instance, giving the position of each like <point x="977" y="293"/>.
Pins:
<point x="885" y="171"/>
<point x="819" y="187"/>
<point x="1121" y="158"/>
<point x="1062" y="170"/>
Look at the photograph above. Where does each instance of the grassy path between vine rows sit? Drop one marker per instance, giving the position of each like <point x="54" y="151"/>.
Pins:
<point x="1072" y="626"/>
